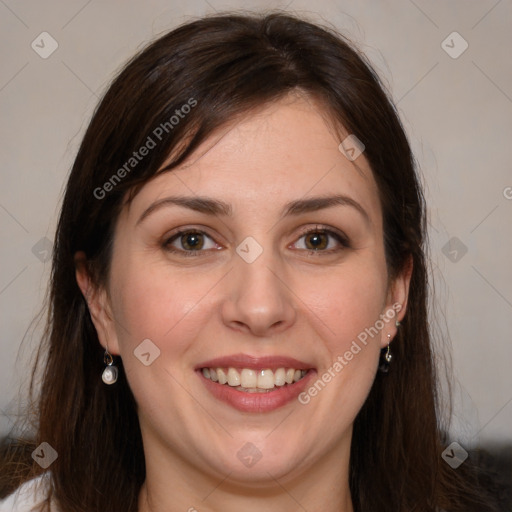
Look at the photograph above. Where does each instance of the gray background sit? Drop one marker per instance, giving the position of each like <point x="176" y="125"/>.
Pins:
<point x="457" y="112"/>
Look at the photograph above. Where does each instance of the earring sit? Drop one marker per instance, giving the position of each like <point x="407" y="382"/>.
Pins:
<point x="110" y="372"/>
<point x="386" y="358"/>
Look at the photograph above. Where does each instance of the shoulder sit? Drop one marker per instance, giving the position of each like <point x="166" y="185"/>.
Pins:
<point x="28" y="495"/>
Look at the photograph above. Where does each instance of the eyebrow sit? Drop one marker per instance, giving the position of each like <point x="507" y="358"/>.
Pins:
<point x="198" y="204"/>
<point x="211" y="206"/>
<point x="314" y="204"/>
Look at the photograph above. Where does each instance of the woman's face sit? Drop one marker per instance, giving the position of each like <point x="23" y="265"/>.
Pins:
<point x="260" y="259"/>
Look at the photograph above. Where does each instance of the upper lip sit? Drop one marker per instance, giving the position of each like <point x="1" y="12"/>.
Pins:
<point x="254" y="362"/>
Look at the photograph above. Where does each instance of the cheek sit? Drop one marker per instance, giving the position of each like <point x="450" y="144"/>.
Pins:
<point x="346" y="308"/>
<point x="169" y="310"/>
<point x="346" y="303"/>
<point x="150" y="302"/>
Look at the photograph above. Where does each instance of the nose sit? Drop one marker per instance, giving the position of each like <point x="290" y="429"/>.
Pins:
<point x="258" y="300"/>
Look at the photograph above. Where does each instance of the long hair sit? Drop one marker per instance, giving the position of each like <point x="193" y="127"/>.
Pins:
<point x="222" y="67"/>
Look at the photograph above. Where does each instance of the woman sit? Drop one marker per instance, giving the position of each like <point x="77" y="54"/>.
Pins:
<point x="238" y="310"/>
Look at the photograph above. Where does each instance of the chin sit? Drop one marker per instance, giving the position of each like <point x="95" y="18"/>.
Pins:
<point x="256" y="460"/>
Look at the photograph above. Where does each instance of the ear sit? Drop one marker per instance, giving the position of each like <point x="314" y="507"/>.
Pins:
<point x="99" y="305"/>
<point x="397" y="298"/>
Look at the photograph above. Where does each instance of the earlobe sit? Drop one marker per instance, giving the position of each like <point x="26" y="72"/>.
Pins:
<point x="397" y="301"/>
<point x="401" y="288"/>
<point x="82" y="275"/>
<point x="98" y="304"/>
<point x="88" y="289"/>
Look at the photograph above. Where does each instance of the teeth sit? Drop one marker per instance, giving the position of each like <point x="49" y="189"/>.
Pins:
<point x="252" y="380"/>
<point x="279" y="377"/>
<point x="265" y="379"/>
<point x="221" y="375"/>
<point x="233" y="377"/>
<point x="248" y="379"/>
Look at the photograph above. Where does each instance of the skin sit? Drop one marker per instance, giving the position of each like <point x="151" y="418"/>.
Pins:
<point x="306" y="304"/>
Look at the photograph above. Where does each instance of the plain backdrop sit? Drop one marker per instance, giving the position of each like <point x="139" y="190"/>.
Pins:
<point x="448" y="68"/>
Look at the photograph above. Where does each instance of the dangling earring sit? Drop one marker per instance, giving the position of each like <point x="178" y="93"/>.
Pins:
<point x="110" y="372"/>
<point x="386" y="358"/>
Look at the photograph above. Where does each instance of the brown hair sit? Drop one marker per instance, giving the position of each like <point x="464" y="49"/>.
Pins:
<point x="222" y="67"/>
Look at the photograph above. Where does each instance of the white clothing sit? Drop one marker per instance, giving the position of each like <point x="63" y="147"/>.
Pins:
<point x="28" y="495"/>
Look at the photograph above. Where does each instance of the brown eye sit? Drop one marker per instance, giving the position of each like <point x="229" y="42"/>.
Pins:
<point x="316" y="240"/>
<point x="322" y="241"/>
<point x="192" y="241"/>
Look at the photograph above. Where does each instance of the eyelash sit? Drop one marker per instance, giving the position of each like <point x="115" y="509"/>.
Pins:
<point x="339" y="237"/>
<point x="185" y="252"/>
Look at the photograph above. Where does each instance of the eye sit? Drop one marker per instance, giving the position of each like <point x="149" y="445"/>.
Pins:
<point x="322" y="240"/>
<point x="189" y="242"/>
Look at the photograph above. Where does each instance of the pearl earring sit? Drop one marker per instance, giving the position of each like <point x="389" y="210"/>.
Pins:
<point x="110" y="372"/>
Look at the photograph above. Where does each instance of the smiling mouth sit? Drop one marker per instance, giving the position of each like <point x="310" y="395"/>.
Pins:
<point x="254" y="381"/>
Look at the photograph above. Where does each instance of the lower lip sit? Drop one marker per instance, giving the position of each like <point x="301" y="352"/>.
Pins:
<point x="257" y="402"/>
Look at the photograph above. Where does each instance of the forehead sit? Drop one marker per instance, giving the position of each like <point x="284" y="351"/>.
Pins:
<point x="278" y="153"/>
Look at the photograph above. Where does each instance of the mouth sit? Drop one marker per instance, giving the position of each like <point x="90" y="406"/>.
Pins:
<point x="255" y="384"/>
<point x="248" y="380"/>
